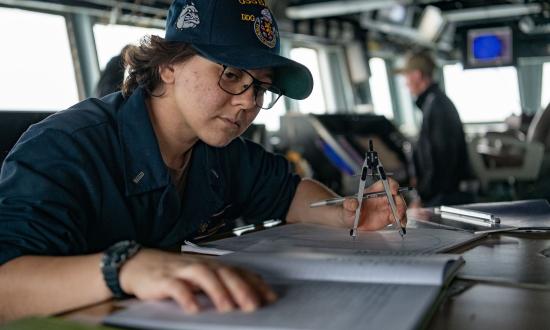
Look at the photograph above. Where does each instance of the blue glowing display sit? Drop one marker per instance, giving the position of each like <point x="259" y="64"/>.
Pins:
<point x="487" y="47"/>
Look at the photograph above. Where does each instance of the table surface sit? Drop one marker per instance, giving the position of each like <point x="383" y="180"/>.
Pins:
<point x="504" y="284"/>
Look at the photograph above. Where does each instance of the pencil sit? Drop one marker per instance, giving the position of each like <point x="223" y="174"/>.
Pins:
<point x="340" y="200"/>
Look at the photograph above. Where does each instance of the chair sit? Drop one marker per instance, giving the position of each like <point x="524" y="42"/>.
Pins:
<point x="504" y="158"/>
<point x="15" y="123"/>
<point x="539" y="129"/>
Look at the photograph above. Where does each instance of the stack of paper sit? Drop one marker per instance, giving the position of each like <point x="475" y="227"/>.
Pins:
<point x="331" y="239"/>
<point x="325" y="280"/>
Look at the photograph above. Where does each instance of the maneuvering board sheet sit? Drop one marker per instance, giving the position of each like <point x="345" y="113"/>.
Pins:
<point x="331" y="239"/>
<point x="308" y="305"/>
<point x="317" y="291"/>
<point x="369" y="282"/>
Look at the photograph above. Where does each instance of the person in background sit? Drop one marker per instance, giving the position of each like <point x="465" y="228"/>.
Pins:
<point x="112" y="76"/>
<point x="93" y="197"/>
<point x="440" y="154"/>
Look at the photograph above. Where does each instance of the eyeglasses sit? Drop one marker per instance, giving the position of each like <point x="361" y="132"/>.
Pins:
<point x="237" y="81"/>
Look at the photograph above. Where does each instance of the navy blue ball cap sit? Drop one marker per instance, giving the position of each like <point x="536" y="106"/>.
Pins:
<point x="238" y="33"/>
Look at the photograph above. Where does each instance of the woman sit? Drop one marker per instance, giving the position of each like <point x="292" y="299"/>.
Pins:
<point x="117" y="181"/>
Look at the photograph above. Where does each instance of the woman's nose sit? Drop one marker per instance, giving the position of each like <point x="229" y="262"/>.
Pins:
<point x="246" y="100"/>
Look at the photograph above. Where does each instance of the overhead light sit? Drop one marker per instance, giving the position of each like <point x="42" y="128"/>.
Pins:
<point x="402" y="31"/>
<point x="432" y="23"/>
<point x="526" y="24"/>
<point x="396" y="14"/>
<point x="338" y="8"/>
<point x="499" y="11"/>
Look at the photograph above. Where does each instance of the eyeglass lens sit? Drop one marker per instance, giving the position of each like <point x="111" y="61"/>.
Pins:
<point x="236" y="81"/>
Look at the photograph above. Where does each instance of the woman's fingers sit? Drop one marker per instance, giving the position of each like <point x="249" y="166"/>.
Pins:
<point x="350" y="204"/>
<point x="154" y="274"/>
<point x="226" y="286"/>
<point x="266" y="292"/>
<point x="244" y="293"/>
<point x="402" y="209"/>
<point x="183" y="294"/>
<point x="394" y="186"/>
<point x="205" y="277"/>
<point x="379" y="186"/>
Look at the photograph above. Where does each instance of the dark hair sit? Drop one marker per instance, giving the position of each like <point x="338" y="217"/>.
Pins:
<point x="143" y="62"/>
<point x="423" y="61"/>
<point x="112" y="76"/>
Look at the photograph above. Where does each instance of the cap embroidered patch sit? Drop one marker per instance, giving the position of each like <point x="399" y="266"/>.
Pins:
<point x="189" y="17"/>
<point x="263" y="26"/>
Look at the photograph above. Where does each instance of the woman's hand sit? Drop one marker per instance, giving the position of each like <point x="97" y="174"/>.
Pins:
<point x="375" y="212"/>
<point x="154" y="274"/>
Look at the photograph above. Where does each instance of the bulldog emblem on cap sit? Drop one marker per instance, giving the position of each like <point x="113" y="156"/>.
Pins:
<point x="189" y="17"/>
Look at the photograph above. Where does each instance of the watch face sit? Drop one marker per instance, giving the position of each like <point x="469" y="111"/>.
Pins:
<point x="120" y="246"/>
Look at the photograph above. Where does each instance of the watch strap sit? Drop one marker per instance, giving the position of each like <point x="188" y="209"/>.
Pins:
<point x="113" y="259"/>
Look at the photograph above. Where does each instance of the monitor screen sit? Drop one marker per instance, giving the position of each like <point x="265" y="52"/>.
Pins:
<point x="489" y="47"/>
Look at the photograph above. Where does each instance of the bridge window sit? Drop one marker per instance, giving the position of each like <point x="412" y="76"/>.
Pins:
<point x="379" y="88"/>
<point x="315" y="103"/>
<point x="545" y="97"/>
<point x="110" y="39"/>
<point x="271" y="118"/>
<point x="483" y="95"/>
<point x="36" y="68"/>
<point x="409" y="117"/>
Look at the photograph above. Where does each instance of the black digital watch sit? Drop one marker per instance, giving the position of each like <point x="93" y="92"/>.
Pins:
<point x="113" y="258"/>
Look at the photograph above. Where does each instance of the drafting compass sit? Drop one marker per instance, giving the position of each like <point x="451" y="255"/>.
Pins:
<point x="373" y="166"/>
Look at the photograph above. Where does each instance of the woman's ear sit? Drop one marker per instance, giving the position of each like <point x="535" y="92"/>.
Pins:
<point x="167" y="73"/>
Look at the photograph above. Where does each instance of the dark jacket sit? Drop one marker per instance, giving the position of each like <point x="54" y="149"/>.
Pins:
<point x="93" y="175"/>
<point x="441" y="157"/>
